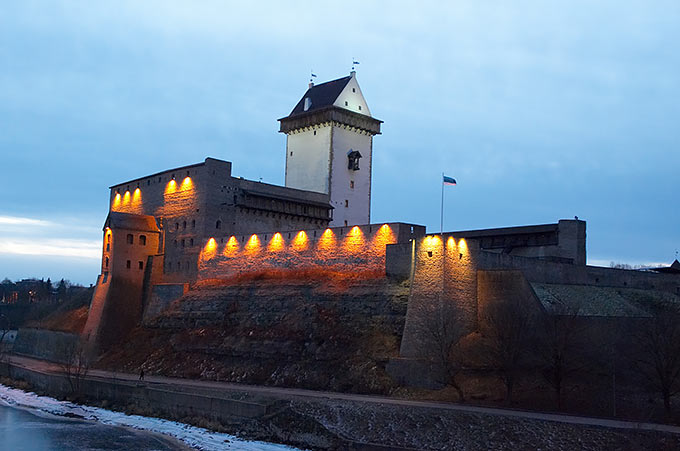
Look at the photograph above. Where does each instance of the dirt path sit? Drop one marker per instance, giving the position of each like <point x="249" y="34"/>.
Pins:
<point x="279" y="393"/>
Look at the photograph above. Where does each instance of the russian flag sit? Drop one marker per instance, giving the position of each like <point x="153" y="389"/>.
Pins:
<point x="449" y="180"/>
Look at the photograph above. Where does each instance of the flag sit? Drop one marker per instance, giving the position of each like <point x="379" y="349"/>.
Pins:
<point x="355" y="62"/>
<point x="449" y="180"/>
<point x="314" y="75"/>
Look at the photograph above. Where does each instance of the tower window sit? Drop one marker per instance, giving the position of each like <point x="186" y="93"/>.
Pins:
<point x="354" y="89"/>
<point x="106" y="262"/>
<point x="128" y="264"/>
<point x="346" y="203"/>
<point x="291" y="154"/>
<point x="193" y="223"/>
<point x="218" y="224"/>
<point x="359" y="107"/>
<point x="191" y="241"/>
<point x="108" y="247"/>
<point x="353" y="160"/>
<point x="141" y="265"/>
<point x="130" y="238"/>
<point x="351" y="184"/>
<point x="346" y="103"/>
<point x="142" y="240"/>
<point x="177" y="226"/>
<point x="184" y="225"/>
<point x="314" y="132"/>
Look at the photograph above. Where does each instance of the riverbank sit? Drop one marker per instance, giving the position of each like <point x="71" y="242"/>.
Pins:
<point x="191" y="436"/>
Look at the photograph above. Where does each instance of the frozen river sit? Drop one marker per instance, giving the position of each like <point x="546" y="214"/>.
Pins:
<point x="23" y="429"/>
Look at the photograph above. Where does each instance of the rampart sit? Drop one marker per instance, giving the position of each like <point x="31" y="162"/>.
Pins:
<point x="458" y="273"/>
<point x="357" y="249"/>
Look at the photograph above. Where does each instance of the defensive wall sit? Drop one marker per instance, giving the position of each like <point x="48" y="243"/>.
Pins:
<point x="454" y="271"/>
<point x="354" y="250"/>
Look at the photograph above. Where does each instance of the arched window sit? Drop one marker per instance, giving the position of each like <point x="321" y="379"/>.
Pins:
<point x="142" y="240"/>
<point x="130" y="238"/>
<point x="218" y="224"/>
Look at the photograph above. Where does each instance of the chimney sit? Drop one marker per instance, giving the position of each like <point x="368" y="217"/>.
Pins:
<point x="311" y="85"/>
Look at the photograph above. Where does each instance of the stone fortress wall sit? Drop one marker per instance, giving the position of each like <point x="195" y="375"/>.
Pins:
<point x="353" y="250"/>
<point x="457" y="270"/>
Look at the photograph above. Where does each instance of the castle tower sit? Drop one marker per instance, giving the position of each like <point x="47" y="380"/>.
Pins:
<point x="329" y="147"/>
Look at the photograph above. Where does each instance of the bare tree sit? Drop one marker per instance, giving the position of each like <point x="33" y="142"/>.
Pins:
<point x="558" y="346"/>
<point x="5" y="328"/>
<point x="507" y="330"/>
<point x="440" y="330"/>
<point x="75" y="363"/>
<point x="659" y="354"/>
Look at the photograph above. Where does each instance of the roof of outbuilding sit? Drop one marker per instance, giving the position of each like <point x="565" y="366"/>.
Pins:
<point x="129" y="221"/>
<point x="321" y="96"/>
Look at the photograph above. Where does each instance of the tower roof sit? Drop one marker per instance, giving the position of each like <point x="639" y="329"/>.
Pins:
<point x="338" y="100"/>
<point x="321" y="96"/>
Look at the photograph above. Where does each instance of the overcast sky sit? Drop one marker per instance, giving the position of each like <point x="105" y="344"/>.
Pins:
<point x="541" y="111"/>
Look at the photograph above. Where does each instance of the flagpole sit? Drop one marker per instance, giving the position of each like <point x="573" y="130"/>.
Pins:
<point x="441" y="213"/>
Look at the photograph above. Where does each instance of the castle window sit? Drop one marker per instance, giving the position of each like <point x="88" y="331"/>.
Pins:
<point x="314" y="132"/>
<point x="184" y="225"/>
<point x="346" y="203"/>
<point x="159" y="180"/>
<point x="177" y="226"/>
<point x="345" y="224"/>
<point x="354" y="89"/>
<point x="359" y="107"/>
<point x="218" y="224"/>
<point x="346" y="104"/>
<point x="141" y="265"/>
<point x="130" y="238"/>
<point x="142" y="240"/>
<point x="108" y="247"/>
<point x="106" y="262"/>
<point x="353" y="160"/>
<point x="351" y="184"/>
<point x="128" y="264"/>
<point x="191" y="242"/>
<point x="291" y="154"/>
<point x="193" y="223"/>
<point x="148" y="182"/>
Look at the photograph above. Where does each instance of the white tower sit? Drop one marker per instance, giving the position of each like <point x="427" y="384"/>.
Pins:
<point x="329" y="147"/>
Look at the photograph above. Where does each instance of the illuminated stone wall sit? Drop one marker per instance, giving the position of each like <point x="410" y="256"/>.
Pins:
<point x="444" y="279"/>
<point x="358" y="249"/>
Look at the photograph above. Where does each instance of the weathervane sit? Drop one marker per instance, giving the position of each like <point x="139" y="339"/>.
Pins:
<point x="354" y="63"/>
<point x="312" y="76"/>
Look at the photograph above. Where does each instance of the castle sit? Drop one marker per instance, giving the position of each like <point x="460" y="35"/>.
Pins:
<point x="168" y="230"/>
